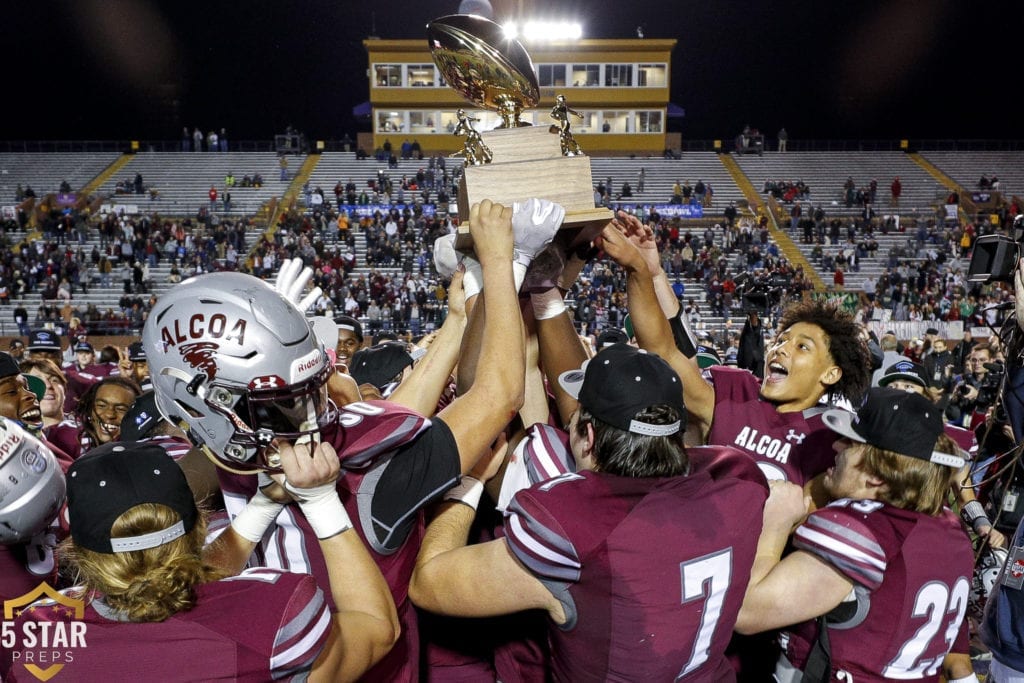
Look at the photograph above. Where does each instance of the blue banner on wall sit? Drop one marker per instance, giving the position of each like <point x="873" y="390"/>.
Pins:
<point x="370" y="209"/>
<point x="664" y="210"/>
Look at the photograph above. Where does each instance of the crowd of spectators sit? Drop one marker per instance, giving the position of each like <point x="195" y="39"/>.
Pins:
<point x="787" y="191"/>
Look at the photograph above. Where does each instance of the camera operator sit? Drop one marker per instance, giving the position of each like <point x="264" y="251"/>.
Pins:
<point x="975" y="390"/>
<point x="751" y="350"/>
<point x="1004" y="611"/>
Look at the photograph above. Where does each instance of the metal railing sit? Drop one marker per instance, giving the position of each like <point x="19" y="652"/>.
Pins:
<point x="332" y="145"/>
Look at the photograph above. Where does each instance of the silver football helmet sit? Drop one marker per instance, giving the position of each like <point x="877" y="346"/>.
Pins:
<point x="32" y="485"/>
<point x="237" y="365"/>
<point x="986" y="572"/>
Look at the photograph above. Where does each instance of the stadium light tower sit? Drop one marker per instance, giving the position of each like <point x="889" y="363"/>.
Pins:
<point x="543" y="31"/>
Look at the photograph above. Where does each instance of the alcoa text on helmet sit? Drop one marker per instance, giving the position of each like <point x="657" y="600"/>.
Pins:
<point x="238" y="365"/>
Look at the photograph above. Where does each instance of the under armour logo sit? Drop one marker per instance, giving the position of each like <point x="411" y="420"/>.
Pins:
<point x="793" y="436"/>
<point x="267" y="382"/>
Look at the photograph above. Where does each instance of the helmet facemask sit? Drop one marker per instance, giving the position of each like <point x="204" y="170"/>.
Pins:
<point x="261" y="417"/>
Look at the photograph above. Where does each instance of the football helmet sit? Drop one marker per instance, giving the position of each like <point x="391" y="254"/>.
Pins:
<point x="237" y="365"/>
<point x="32" y="485"/>
<point x="986" y="572"/>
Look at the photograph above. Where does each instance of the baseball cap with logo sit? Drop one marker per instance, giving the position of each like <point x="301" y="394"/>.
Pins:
<point x="906" y="370"/>
<point x="897" y="421"/>
<point x="43" y="340"/>
<point x="620" y="382"/>
<point x="140" y="419"/>
<point x="136" y="352"/>
<point x="112" y="479"/>
<point x="707" y="356"/>
<point x="84" y="347"/>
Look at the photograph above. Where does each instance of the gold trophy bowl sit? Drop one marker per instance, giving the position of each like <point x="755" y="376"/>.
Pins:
<point x="515" y="161"/>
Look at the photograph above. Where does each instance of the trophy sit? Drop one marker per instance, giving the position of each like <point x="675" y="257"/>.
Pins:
<point x="515" y="161"/>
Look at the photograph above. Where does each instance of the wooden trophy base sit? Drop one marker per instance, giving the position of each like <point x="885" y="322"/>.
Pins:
<point x="529" y="163"/>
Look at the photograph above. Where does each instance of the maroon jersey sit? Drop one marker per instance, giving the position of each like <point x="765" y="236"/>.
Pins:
<point x="260" y="625"/>
<point x="912" y="577"/>
<point x="651" y="572"/>
<point x="394" y="461"/>
<point x="70" y="437"/>
<point x="794" y="447"/>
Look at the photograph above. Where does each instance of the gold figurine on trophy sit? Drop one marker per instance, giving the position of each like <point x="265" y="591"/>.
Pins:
<point x="560" y="113"/>
<point x="474" y="151"/>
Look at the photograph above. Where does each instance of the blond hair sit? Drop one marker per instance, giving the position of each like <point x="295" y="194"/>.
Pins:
<point x="910" y="483"/>
<point x="145" y="585"/>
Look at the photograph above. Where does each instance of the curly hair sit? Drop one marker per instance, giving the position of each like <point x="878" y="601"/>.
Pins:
<point x="846" y="346"/>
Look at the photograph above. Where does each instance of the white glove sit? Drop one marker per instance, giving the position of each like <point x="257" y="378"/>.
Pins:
<point x="446" y="259"/>
<point x="322" y="508"/>
<point x="534" y="225"/>
<point x="292" y="279"/>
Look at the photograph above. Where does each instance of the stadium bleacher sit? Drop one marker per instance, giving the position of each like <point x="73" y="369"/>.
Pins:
<point x="182" y="181"/>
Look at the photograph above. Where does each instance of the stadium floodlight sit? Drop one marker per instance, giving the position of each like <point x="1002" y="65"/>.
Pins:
<point x="543" y="31"/>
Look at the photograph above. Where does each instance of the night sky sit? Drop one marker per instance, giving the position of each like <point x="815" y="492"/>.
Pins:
<point x="120" y="69"/>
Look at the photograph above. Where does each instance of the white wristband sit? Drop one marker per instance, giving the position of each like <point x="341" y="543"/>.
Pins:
<point x="973" y="678"/>
<point x="473" y="279"/>
<point x="467" y="491"/>
<point x="323" y="509"/>
<point x="257" y="516"/>
<point x="518" y="274"/>
<point x="546" y="305"/>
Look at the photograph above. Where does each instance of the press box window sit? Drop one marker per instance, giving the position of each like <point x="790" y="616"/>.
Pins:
<point x="388" y="75"/>
<point x="586" y="75"/>
<point x="652" y="76"/>
<point x="618" y="75"/>
<point x="551" y="75"/>
<point x="421" y="75"/>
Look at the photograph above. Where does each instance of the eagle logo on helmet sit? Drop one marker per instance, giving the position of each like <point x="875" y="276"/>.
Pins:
<point x="200" y="356"/>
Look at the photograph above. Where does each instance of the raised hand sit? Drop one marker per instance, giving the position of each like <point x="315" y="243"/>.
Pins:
<point x="614" y="241"/>
<point x="490" y="226"/>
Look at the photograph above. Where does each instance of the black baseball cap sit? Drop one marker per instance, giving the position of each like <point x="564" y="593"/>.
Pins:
<point x="379" y="365"/>
<point x="112" y="479"/>
<point x="906" y="370"/>
<point x="8" y="365"/>
<point x="347" y="322"/>
<point x="622" y="381"/>
<point x="43" y="340"/>
<point x="136" y="351"/>
<point x="897" y="421"/>
<point x="140" y="419"/>
<point x="610" y="336"/>
<point x="84" y="347"/>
